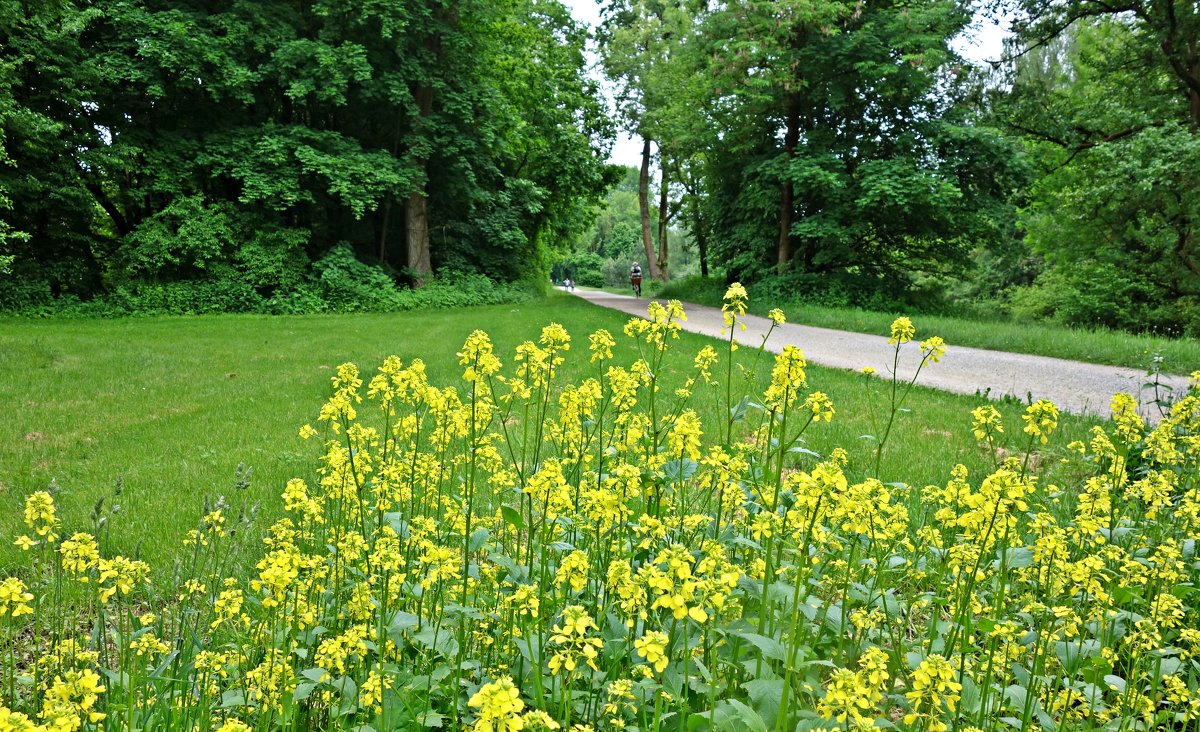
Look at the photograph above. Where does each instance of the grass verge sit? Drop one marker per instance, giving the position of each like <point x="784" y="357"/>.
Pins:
<point x="1179" y="356"/>
<point x="172" y="406"/>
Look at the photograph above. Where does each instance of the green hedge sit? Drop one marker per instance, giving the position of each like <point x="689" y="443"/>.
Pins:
<point x="336" y="283"/>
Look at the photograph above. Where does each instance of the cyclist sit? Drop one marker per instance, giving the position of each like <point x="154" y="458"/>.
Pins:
<point x="635" y="278"/>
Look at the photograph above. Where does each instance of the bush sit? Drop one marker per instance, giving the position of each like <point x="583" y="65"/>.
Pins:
<point x="707" y="291"/>
<point x="585" y="268"/>
<point x="272" y="278"/>
<point x="348" y="285"/>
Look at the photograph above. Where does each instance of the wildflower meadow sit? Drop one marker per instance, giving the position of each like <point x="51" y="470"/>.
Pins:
<point x="516" y="552"/>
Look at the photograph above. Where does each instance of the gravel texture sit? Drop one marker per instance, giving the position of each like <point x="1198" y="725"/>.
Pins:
<point x="1082" y="388"/>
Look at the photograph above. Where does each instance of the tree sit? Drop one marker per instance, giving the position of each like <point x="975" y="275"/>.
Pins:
<point x="843" y="130"/>
<point x="633" y="44"/>
<point x="1166" y="33"/>
<point x="1108" y="119"/>
<point x="172" y="141"/>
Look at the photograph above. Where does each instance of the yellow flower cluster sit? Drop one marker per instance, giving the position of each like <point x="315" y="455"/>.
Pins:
<point x="573" y="642"/>
<point x="521" y="553"/>
<point x="933" y="685"/>
<point x="14" y="598"/>
<point x="499" y="706"/>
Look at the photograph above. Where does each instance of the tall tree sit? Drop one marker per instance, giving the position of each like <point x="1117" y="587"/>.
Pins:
<point x="169" y="140"/>
<point x="633" y="45"/>
<point x="853" y="115"/>
<point x="1167" y="33"/>
<point x="1107" y="114"/>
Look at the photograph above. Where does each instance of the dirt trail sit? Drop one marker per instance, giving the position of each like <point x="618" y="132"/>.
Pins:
<point x="1082" y="388"/>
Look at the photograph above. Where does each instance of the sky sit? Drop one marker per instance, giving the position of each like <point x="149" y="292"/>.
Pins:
<point x="981" y="43"/>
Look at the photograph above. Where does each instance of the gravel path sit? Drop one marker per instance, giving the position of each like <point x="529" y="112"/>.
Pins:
<point x="1082" y="388"/>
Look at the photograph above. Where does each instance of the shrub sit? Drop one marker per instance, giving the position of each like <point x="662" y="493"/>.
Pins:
<point x="348" y="285"/>
<point x="585" y="268"/>
<point x="272" y="277"/>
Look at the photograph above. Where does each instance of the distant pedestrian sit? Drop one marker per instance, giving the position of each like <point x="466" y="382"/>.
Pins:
<point x="635" y="278"/>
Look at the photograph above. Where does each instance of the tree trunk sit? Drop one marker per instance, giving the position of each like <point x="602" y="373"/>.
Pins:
<point x="416" y="211"/>
<point x="417" y="215"/>
<point x="383" y="232"/>
<point x="664" y="222"/>
<point x="787" y="197"/>
<point x="701" y="234"/>
<point x="1193" y="91"/>
<point x="644" y="205"/>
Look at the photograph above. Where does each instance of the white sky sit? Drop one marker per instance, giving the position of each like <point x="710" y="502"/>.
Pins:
<point x="981" y="43"/>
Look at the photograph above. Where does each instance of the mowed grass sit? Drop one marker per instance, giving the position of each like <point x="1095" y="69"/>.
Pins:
<point x="172" y="407"/>
<point x="1102" y="346"/>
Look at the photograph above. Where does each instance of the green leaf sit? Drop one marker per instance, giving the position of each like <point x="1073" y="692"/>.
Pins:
<point x="303" y="690"/>
<point x="770" y="648"/>
<point x="1072" y="653"/>
<point x="1017" y="558"/>
<point x="348" y="691"/>
<point x="479" y="537"/>
<point x="971" y="697"/>
<point x="805" y="451"/>
<point x="512" y="517"/>
<point x="731" y="715"/>
<point x="439" y="640"/>
<point x="677" y="471"/>
<point x="765" y="696"/>
<point x="400" y="623"/>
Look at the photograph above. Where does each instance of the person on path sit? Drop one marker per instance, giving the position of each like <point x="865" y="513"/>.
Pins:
<point x="635" y="278"/>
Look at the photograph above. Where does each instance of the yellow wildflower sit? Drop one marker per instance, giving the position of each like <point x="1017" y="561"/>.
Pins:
<point x="601" y="343"/>
<point x="14" y="599"/>
<point x="821" y="406"/>
<point x="40" y="515"/>
<point x="987" y="423"/>
<point x="499" y="705"/>
<point x="933" y="348"/>
<point x="1041" y="418"/>
<point x="787" y="378"/>
<point x="73" y="696"/>
<point x="653" y="647"/>
<point x="932" y="683"/>
<point x="80" y="555"/>
<point x="903" y="331"/>
<point x="573" y="642"/>
<point x="477" y="356"/>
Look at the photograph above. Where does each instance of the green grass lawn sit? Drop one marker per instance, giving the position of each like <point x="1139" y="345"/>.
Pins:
<point x="172" y="406"/>
<point x="1179" y="355"/>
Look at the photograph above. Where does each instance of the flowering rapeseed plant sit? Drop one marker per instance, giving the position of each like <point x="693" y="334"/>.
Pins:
<point x="520" y="553"/>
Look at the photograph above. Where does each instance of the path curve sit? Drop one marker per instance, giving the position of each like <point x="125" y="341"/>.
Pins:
<point x="1074" y="386"/>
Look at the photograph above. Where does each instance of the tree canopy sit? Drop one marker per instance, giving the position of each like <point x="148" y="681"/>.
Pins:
<point x="254" y="155"/>
<point x="241" y="142"/>
<point x="1106" y="101"/>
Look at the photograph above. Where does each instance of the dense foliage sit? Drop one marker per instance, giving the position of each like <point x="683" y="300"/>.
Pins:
<point x="228" y="154"/>
<point x="520" y="553"/>
<point x="1108" y="104"/>
<point x="844" y="152"/>
<point x="242" y="148"/>
<point x="824" y="138"/>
